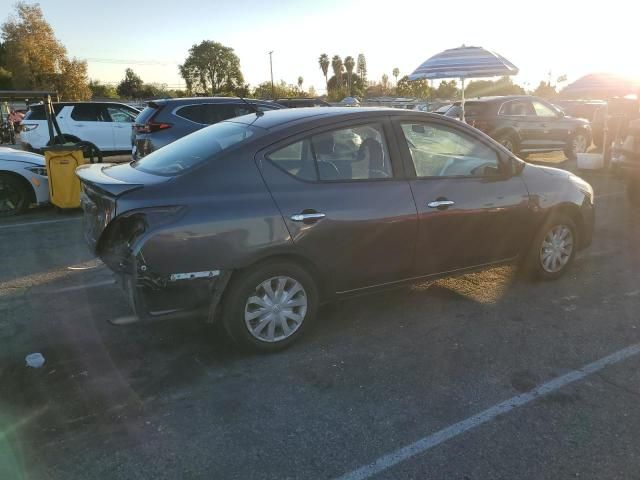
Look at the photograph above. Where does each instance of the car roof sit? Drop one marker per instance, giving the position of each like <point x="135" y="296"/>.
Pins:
<point x="275" y="119"/>
<point x="66" y="104"/>
<point x="190" y="100"/>
<point x="498" y="98"/>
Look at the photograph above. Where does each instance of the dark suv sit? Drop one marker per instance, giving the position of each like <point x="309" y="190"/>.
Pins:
<point x="525" y="124"/>
<point x="165" y="121"/>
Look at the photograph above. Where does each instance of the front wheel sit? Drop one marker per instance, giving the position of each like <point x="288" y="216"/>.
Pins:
<point x="553" y="248"/>
<point x="14" y="198"/>
<point x="509" y="142"/>
<point x="268" y="307"/>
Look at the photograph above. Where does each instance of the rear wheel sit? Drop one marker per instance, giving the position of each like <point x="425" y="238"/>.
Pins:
<point x="14" y="197"/>
<point x="268" y="307"/>
<point x="509" y="142"/>
<point x="553" y="248"/>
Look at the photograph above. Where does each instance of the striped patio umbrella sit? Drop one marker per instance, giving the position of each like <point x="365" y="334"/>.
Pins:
<point x="464" y="62"/>
<point x="601" y="86"/>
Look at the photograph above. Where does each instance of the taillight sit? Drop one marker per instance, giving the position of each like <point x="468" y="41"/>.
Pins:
<point x="151" y="127"/>
<point x="481" y="125"/>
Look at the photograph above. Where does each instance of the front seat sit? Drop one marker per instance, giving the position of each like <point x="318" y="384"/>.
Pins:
<point x="377" y="164"/>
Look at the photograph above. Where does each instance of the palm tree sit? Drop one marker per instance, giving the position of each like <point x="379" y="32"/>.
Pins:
<point x="396" y="72"/>
<point x="336" y="64"/>
<point x="324" y="65"/>
<point x="300" y="82"/>
<point x="349" y="64"/>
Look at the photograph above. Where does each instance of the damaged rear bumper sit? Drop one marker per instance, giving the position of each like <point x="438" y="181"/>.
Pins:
<point x="183" y="294"/>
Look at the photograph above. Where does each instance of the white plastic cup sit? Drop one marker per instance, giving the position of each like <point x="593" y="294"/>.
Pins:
<point x="34" y="360"/>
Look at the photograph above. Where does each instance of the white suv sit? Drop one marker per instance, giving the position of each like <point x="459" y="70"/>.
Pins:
<point x="105" y="124"/>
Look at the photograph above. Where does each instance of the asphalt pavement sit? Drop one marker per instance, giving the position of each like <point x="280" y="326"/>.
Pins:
<point x="485" y="376"/>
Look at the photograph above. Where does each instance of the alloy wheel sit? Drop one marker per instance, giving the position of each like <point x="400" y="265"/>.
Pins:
<point x="580" y="144"/>
<point x="276" y="309"/>
<point x="556" y="249"/>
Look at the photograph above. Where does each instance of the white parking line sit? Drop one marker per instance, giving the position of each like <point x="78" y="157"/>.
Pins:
<point x="40" y="222"/>
<point x="611" y="194"/>
<point x="73" y="288"/>
<point x="421" y="446"/>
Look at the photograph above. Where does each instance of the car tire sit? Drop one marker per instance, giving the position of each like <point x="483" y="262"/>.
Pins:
<point x="547" y="258"/>
<point x="510" y="142"/>
<point x="579" y="143"/>
<point x="14" y="197"/>
<point x="633" y="192"/>
<point x="267" y="323"/>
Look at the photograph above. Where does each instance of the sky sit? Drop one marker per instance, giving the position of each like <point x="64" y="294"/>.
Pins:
<point x="562" y="37"/>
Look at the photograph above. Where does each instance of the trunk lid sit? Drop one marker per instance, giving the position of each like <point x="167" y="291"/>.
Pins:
<point x="102" y="184"/>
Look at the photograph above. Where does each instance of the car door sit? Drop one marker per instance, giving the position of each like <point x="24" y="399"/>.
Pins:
<point x="518" y="115"/>
<point x="121" y="121"/>
<point x="345" y="202"/>
<point x="472" y="206"/>
<point x="553" y="129"/>
<point x="91" y="123"/>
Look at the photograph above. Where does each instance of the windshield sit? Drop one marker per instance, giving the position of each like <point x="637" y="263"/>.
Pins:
<point x="196" y="148"/>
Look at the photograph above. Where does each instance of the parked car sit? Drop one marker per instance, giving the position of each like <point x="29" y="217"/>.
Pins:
<point x="525" y="124"/>
<point x="628" y="156"/>
<point x="580" y="108"/>
<point x="23" y="181"/>
<point x="107" y="125"/>
<point x="302" y="102"/>
<point x="165" y="121"/>
<point x="259" y="219"/>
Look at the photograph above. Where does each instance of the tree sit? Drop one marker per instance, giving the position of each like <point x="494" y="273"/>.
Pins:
<point x="361" y="68"/>
<point x="337" y="65"/>
<point x="5" y="75"/>
<point x="349" y="64"/>
<point x="324" y="66"/>
<point x="212" y="68"/>
<point x="72" y="82"/>
<point x="337" y="93"/>
<point x="300" y="82"/>
<point x="131" y="85"/>
<point x="312" y="91"/>
<point x="99" y="90"/>
<point x="483" y="88"/>
<point x="396" y="72"/>
<point x="385" y="84"/>
<point x="34" y="57"/>
<point x="281" y="89"/>
<point x="447" y="90"/>
<point x="413" y="89"/>
<point x="544" y="90"/>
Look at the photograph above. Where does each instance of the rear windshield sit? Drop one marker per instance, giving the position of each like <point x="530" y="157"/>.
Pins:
<point x="36" y="112"/>
<point x="196" y="148"/>
<point x="145" y="114"/>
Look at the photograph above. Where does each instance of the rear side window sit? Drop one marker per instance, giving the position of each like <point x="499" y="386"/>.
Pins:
<point x="208" y="113"/>
<point x="201" y="146"/>
<point x="36" y="112"/>
<point x="88" y="112"/>
<point x="355" y="153"/>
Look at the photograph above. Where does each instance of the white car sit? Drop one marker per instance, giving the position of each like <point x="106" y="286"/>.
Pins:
<point x="107" y="125"/>
<point x="23" y="181"/>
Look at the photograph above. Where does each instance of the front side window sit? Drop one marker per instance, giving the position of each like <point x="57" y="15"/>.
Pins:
<point x="120" y="115"/>
<point x="354" y="153"/>
<point x="543" y="110"/>
<point x="439" y="151"/>
<point x="516" y="108"/>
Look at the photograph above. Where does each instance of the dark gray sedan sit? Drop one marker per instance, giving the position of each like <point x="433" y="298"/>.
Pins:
<point x="256" y="220"/>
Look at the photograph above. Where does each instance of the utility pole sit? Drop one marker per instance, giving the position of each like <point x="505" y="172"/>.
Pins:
<point x="273" y="88"/>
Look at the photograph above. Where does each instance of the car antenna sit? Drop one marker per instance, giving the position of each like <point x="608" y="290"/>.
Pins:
<point x="252" y="107"/>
